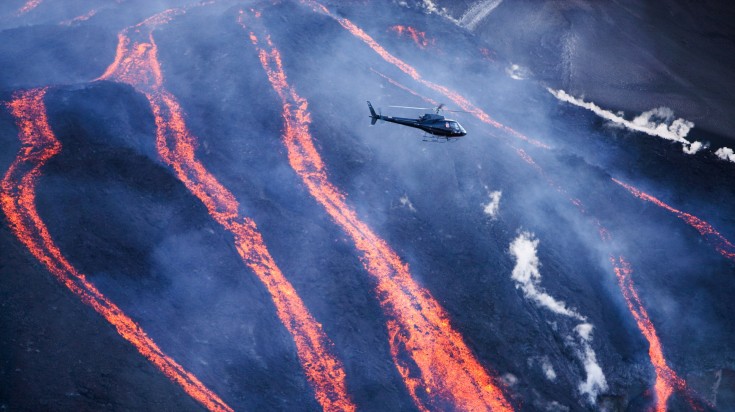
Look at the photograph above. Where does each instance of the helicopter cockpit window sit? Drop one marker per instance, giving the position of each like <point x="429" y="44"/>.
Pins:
<point x="454" y="126"/>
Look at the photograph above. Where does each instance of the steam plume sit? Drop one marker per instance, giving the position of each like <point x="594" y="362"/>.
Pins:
<point x="528" y="277"/>
<point x="493" y="207"/>
<point x="657" y="122"/>
<point x="477" y="13"/>
<point x="725" y="153"/>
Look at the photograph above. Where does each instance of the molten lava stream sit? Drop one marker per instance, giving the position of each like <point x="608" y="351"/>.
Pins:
<point x="437" y="366"/>
<point x="450" y="94"/>
<point x="713" y="237"/>
<point x="137" y="64"/>
<point x="18" y="198"/>
<point x="666" y="379"/>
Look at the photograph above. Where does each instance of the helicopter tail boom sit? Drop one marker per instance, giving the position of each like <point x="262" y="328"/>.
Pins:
<point x="374" y="117"/>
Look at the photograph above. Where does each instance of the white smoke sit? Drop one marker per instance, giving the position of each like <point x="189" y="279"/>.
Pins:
<point x="493" y="207"/>
<point x="477" y="13"/>
<point x="548" y="369"/>
<point x="406" y="202"/>
<point x="725" y="153"/>
<point x="595" y="382"/>
<point x="517" y="72"/>
<point x="431" y="7"/>
<point x="659" y="122"/>
<point x="528" y="277"/>
<point x="693" y="148"/>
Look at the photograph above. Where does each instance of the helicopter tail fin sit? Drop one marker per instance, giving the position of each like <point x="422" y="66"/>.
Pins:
<point x="373" y="116"/>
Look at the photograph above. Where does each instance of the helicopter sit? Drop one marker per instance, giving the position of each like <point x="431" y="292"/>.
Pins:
<point x="436" y="127"/>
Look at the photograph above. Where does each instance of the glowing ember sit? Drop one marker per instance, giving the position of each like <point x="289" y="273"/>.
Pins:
<point x="18" y="198"/>
<point x="457" y="98"/>
<point x="720" y="243"/>
<point x="137" y="64"/>
<point x="436" y="365"/>
<point x="417" y="36"/>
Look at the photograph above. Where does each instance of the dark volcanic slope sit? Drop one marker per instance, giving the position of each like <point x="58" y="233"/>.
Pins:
<point x="565" y="338"/>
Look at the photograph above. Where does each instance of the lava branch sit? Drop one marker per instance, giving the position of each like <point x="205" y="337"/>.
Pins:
<point x="437" y="366"/>
<point x="137" y="64"/>
<point x="713" y="237"/>
<point x="450" y="94"/>
<point x="666" y="379"/>
<point x="18" y="198"/>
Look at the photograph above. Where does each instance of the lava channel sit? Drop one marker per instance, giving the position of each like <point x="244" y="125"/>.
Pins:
<point x="666" y="379"/>
<point x="18" y="198"/>
<point x="136" y="63"/>
<point x="457" y="98"/>
<point x="712" y="236"/>
<point x="440" y="369"/>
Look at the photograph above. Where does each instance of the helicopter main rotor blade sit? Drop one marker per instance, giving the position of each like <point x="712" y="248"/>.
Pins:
<point x="417" y="108"/>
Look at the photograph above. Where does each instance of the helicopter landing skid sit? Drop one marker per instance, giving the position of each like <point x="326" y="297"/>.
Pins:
<point x="430" y="138"/>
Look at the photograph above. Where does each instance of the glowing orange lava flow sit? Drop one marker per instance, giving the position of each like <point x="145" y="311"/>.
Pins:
<point x="417" y="36"/>
<point x="433" y="359"/>
<point x="666" y="379"/>
<point x="137" y="64"/>
<point x="457" y="98"/>
<point x="720" y="243"/>
<point x="18" y="199"/>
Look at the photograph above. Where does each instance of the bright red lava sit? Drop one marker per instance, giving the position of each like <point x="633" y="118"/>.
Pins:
<point x="418" y="37"/>
<point x="458" y="99"/>
<point x="713" y="237"/>
<point x="437" y="367"/>
<point x="137" y="64"/>
<point x="18" y="198"/>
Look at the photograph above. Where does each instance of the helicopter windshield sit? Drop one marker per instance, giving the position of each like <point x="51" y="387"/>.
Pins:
<point x="454" y="126"/>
